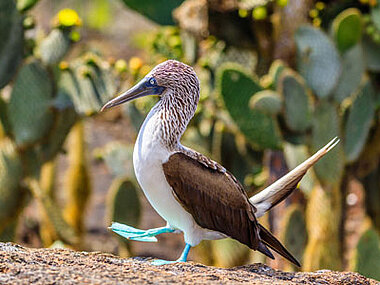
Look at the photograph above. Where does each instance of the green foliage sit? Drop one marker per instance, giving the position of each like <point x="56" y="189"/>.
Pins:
<point x="159" y="11"/>
<point x="54" y="47"/>
<point x="294" y="234"/>
<point x="11" y="44"/>
<point x="366" y="258"/>
<point x="123" y="204"/>
<point x="347" y="28"/>
<point x="326" y="123"/>
<point x="297" y="102"/>
<point x="359" y="122"/>
<point x="353" y="67"/>
<point x="318" y="60"/>
<point x="266" y="101"/>
<point x="29" y="109"/>
<point x="260" y="129"/>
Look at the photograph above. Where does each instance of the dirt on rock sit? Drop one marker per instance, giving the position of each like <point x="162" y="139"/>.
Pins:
<point x="20" y="265"/>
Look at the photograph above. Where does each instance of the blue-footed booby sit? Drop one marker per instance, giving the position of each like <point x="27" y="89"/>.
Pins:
<point x="192" y="193"/>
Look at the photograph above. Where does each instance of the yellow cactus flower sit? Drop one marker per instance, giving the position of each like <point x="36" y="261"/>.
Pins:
<point x="68" y="18"/>
<point x="63" y="65"/>
<point x="121" y="65"/>
<point x="135" y="63"/>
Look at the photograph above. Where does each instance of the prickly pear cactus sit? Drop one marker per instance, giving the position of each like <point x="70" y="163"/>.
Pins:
<point x="12" y="39"/>
<point x="366" y="257"/>
<point x="359" y="122"/>
<point x="318" y="60"/>
<point x="322" y="250"/>
<point x="260" y="129"/>
<point x="326" y="125"/>
<point x="123" y="204"/>
<point x="347" y="27"/>
<point x="229" y="253"/>
<point x="54" y="47"/>
<point x="266" y="101"/>
<point x="25" y="5"/>
<point x="159" y="11"/>
<point x="78" y="185"/>
<point x="294" y="234"/>
<point x="294" y="156"/>
<point x="29" y="109"/>
<point x="118" y="158"/>
<point x="4" y="121"/>
<point x="297" y="101"/>
<point x="10" y="176"/>
<point x="89" y="83"/>
<point x="353" y="68"/>
<point x="372" y="55"/>
<point x="64" y="120"/>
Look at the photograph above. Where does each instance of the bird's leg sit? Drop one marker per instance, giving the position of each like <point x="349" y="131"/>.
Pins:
<point x="140" y="235"/>
<point x="182" y="258"/>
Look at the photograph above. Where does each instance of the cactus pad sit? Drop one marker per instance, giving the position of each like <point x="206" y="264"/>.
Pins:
<point x="266" y="101"/>
<point x="236" y="87"/>
<point x="11" y="43"/>
<point x="10" y="176"/>
<point x="366" y="258"/>
<point x="353" y="67"/>
<point x="347" y="27"/>
<point x="294" y="156"/>
<point x="159" y="11"/>
<point x="89" y="83"/>
<point x="54" y="47"/>
<point x="29" y="107"/>
<point x="359" y="122"/>
<point x="118" y="158"/>
<point x="123" y="202"/>
<point x="297" y="102"/>
<point x="326" y="124"/>
<point x="318" y="60"/>
<point x="294" y="234"/>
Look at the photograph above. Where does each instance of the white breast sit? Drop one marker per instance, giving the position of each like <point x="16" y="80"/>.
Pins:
<point x="148" y="156"/>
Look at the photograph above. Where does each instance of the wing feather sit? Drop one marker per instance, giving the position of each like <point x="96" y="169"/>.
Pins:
<point x="212" y="197"/>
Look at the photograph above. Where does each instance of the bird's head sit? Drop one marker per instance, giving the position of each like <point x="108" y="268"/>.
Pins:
<point x="168" y="79"/>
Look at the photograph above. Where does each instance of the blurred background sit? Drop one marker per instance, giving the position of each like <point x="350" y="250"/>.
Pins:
<point x="279" y="79"/>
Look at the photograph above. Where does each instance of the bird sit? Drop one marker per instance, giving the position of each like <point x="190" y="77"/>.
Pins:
<point x="192" y="193"/>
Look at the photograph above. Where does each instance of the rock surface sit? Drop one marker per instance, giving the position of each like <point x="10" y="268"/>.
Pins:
<point x="20" y="265"/>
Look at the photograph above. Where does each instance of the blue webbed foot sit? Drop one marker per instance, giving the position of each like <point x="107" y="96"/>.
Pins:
<point x="182" y="258"/>
<point x="129" y="232"/>
<point x="163" y="262"/>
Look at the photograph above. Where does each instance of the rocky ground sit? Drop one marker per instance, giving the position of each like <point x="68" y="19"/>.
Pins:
<point x="20" y="265"/>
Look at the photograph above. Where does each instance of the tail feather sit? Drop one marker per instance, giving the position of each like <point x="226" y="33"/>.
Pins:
<point x="264" y="250"/>
<point x="273" y="243"/>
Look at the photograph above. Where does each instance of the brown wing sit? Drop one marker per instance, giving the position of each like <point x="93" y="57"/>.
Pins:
<point x="214" y="198"/>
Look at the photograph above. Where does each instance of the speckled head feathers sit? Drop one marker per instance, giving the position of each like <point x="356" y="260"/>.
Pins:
<point x="177" y="77"/>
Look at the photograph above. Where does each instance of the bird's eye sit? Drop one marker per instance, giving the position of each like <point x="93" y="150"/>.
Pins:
<point x="152" y="81"/>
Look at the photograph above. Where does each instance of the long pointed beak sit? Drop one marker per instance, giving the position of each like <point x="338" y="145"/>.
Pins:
<point x="141" y="89"/>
